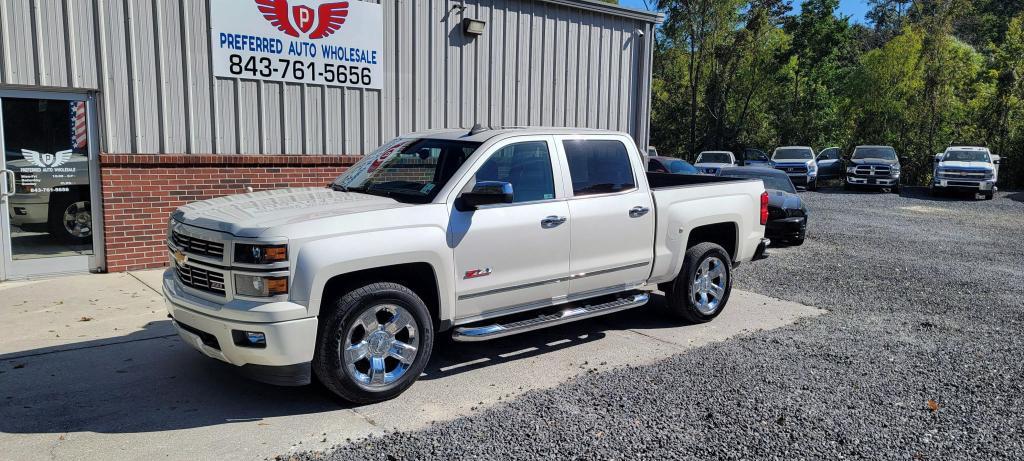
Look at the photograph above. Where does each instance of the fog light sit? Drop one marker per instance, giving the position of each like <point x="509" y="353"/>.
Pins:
<point x="260" y="286"/>
<point x="252" y="339"/>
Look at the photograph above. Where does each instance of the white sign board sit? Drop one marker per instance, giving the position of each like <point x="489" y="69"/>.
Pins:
<point x="320" y="42"/>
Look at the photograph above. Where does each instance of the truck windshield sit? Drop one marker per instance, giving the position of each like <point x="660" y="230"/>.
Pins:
<point x="714" y="157"/>
<point x="407" y="170"/>
<point x="793" y="154"/>
<point x="881" y="153"/>
<point x="966" y="156"/>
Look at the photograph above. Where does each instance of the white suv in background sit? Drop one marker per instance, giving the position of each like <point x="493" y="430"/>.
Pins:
<point x="966" y="168"/>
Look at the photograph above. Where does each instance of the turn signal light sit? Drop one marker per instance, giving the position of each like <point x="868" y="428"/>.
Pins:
<point x="764" y="208"/>
<point x="260" y="254"/>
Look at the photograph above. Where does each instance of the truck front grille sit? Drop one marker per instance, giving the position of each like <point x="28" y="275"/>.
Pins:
<point x="966" y="174"/>
<point x="200" y="278"/>
<point x="794" y="169"/>
<point x="873" y="170"/>
<point x="197" y="246"/>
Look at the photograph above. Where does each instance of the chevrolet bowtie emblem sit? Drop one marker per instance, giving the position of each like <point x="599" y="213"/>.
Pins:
<point x="180" y="257"/>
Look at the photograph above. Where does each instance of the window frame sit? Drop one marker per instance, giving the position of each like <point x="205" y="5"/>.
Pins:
<point x="635" y="161"/>
<point x="556" y="172"/>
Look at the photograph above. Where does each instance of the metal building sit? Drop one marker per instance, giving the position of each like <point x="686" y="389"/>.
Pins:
<point x="141" y="85"/>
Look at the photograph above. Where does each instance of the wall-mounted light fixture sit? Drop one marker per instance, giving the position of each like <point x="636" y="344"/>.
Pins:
<point x="473" y="26"/>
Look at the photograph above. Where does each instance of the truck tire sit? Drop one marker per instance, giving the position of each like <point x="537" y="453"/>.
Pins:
<point x="70" y="218"/>
<point x="988" y="195"/>
<point x="701" y="290"/>
<point x="373" y="343"/>
<point x="813" y="185"/>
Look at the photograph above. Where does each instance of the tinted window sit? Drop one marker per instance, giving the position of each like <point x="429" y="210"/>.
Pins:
<point x="967" y="156"/>
<point x="681" y="167"/>
<point x="408" y="170"/>
<point x="882" y="153"/>
<point x="655" y="166"/>
<point x="793" y="154"/>
<point x="771" y="180"/>
<point x="527" y="166"/>
<point x="598" y="167"/>
<point x="829" y="154"/>
<point x="755" y="156"/>
<point x="714" y="157"/>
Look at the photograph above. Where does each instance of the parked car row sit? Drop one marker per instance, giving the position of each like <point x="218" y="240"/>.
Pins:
<point x="959" y="168"/>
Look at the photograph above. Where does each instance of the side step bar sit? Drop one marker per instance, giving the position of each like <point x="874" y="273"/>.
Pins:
<point x="498" y="330"/>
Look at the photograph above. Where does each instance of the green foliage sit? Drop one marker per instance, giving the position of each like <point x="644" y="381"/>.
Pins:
<point x="743" y="73"/>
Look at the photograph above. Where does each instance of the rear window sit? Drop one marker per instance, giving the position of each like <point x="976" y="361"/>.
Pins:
<point x="598" y="167"/>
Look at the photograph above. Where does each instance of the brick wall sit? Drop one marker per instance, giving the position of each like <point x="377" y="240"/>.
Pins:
<point x="141" y="191"/>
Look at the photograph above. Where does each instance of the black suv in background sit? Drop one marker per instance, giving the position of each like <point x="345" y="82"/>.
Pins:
<point x="874" y="166"/>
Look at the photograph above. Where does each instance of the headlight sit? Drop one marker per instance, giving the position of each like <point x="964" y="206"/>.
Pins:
<point x="260" y="254"/>
<point x="851" y="169"/>
<point x="259" y="286"/>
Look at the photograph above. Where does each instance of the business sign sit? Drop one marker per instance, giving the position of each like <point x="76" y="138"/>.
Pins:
<point x="320" y="42"/>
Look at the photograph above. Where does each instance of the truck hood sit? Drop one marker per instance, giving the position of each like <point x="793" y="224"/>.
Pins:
<point x="249" y="215"/>
<point x="874" y="161"/>
<point x="980" y="166"/>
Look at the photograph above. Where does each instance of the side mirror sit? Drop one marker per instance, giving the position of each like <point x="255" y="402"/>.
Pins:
<point x="486" y="193"/>
<point x="997" y="161"/>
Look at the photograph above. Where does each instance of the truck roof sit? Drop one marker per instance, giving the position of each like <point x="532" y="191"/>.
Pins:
<point x="968" y="148"/>
<point x="487" y="134"/>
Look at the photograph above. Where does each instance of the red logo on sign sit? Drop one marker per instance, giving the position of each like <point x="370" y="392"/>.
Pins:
<point x="331" y="17"/>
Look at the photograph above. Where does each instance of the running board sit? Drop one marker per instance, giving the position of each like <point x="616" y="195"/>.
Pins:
<point x="499" y="330"/>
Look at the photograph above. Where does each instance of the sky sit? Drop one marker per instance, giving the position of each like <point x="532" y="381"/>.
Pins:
<point x="854" y="8"/>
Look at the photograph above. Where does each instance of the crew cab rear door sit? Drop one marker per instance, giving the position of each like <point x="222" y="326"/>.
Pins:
<point x="612" y="214"/>
<point x="514" y="256"/>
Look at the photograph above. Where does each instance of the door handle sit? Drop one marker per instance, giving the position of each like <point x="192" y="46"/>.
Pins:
<point x="11" y="181"/>
<point x="552" y="221"/>
<point x="638" y="211"/>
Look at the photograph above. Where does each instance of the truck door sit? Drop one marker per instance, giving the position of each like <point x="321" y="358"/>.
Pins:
<point x="612" y="233"/>
<point x="829" y="164"/>
<point x="513" y="256"/>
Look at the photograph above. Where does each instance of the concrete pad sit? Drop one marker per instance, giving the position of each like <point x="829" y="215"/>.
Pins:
<point x="141" y="395"/>
<point x="78" y="311"/>
<point x="154" y="279"/>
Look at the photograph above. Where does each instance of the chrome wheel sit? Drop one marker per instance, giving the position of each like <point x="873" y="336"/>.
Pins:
<point x="709" y="282"/>
<point x="381" y="345"/>
<point x="78" y="219"/>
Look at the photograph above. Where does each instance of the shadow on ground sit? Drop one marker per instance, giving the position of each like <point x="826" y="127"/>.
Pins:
<point x="146" y="383"/>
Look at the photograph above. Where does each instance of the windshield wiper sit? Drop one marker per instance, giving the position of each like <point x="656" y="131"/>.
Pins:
<point x="340" y="188"/>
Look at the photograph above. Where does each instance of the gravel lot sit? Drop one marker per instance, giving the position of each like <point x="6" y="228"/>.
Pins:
<point x="921" y="356"/>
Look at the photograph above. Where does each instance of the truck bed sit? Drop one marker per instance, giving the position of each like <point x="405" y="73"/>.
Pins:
<point x="668" y="180"/>
<point x="686" y="202"/>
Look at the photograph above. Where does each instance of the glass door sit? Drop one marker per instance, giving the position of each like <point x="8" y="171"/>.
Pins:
<point x="48" y="186"/>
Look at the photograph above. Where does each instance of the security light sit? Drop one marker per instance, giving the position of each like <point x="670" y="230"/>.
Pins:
<point x="473" y="26"/>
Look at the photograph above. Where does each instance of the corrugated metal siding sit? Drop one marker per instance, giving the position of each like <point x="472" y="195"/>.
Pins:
<point x="539" y="63"/>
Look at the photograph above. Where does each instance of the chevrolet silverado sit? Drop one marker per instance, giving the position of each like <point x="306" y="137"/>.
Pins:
<point x="473" y="236"/>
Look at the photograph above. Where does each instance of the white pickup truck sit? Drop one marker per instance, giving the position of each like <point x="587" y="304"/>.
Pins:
<point x="966" y="168"/>
<point x="475" y="235"/>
